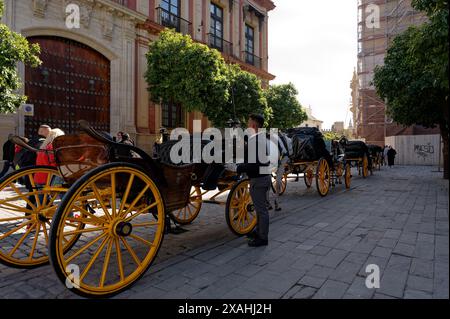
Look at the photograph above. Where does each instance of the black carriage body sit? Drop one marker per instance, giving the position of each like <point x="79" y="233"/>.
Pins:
<point x="78" y="154"/>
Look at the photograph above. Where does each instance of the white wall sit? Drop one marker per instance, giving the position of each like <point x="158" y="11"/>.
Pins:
<point x="416" y="149"/>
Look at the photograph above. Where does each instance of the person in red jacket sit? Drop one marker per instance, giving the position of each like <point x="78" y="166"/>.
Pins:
<point x="46" y="156"/>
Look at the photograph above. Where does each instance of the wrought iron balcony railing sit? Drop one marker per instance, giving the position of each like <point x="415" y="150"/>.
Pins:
<point x="252" y="59"/>
<point x="172" y="21"/>
<point x="220" y="44"/>
<point x="122" y="2"/>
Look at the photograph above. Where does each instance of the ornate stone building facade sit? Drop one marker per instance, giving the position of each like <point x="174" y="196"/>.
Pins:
<point x="96" y="72"/>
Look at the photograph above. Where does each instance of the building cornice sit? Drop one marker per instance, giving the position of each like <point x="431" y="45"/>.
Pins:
<point x="267" y="4"/>
<point x="132" y="14"/>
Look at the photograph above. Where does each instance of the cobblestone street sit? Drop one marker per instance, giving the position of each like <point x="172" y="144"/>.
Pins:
<point x="319" y="248"/>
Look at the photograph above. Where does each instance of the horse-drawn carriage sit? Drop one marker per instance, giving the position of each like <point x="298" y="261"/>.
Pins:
<point x="376" y="154"/>
<point x="357" y="155"/>
<point x="100" y="217"/>
<point x="315" y="160"/>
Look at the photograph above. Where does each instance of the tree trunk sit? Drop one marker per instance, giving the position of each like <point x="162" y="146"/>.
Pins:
<point x="444" y="134"/>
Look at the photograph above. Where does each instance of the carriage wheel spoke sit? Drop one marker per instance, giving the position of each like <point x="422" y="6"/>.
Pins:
<point x="113" y="195"/>
<point x="93" y="259"/>
<point x="82" y="231"/>
<point x="106" y="261"/>
<point x="86" y="212"/>
<point x="135" y="201"/>
<point x="119" y="258"/>
<point x="36" y="235"/>
<point x="189" y="209"/>
<point x="11" y="219"/>
<point x="54" y="197"/>
<point x="142" y="240"/>
<point x="33" y="185"/>
<point x="15" y="208"/>
<point x="145" y="224"/>
<point x="82" y="249"/>
<point x="44" y="228"/>
<point x="125" y="195"/>
<point x="25" y="235"/>
<point x="140" y="212"/>
<point x="100" y="200"/>
<point x="15" y="229"/>
<point x="131" y="251"/>
<point x="179" y="212"/>
<point x="23" y="196"/>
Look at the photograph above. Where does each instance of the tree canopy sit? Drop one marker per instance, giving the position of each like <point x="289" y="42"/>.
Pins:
<point x="14" y="48"/>
<point x="245" y="97"/>
<point x="186" y="72"/>
<point x="183" y="71"/>
<point x="287" y="110"/>
<point x="414" y="77"/>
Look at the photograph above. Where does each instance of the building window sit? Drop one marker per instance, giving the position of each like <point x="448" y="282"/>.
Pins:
<point x="171" y="6"/>
<point x="172" y="115"/>
<point x="216" y="29"/>
<point x="170" y="14"/>
<point x="249" y="44"/>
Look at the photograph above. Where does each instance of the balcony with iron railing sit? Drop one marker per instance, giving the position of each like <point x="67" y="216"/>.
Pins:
<point x="172" y="21"/>
<point x="220" y="44"/>
<point x="121" y="2"/>
<point x="252" y="59"/>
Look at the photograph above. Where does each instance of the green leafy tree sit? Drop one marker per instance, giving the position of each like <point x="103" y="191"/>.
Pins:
<point x="186" y="72"/>
<point x="246" y="97"/>
<point x="414" y="78"/>
<point x="287" y="110"/>
<point x="14" y="48"/>
<point x="183" y="71"/>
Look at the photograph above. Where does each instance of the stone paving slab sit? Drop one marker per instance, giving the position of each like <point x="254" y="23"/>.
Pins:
<point x="319" y="248"/>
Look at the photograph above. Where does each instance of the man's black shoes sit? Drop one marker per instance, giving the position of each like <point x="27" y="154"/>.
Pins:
<point x="257" y="242"/>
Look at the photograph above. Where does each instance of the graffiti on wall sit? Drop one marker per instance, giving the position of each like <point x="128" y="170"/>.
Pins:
<point x="424" y="151"/>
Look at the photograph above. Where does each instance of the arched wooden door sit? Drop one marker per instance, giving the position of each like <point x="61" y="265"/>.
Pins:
<point x="72" y="83"/>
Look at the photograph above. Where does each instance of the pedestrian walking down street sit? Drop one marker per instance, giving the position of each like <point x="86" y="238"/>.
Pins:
<point x="8" y="156"/>
<point x="391" y="156"/>
<point x="260" y="181"/>
<point x="385" y="155"/>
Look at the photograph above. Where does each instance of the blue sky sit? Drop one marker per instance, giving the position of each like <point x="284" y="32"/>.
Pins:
<point x="314" y="45"/>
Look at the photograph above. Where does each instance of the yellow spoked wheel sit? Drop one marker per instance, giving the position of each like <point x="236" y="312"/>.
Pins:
<point x="122" y="236"/>
<point x="365" y="166"/>
<point x="26" y="211"/>
<point x="348" y="175"/>
<point x="323" y="177"/>
<point x="283" y="184"/>
<point x="240" y="212"/>
<point x="189" y="213"/>
<point x="308" y="176"/>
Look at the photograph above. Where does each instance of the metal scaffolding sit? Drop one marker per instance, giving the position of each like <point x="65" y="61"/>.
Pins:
<point x="395" y="16"/>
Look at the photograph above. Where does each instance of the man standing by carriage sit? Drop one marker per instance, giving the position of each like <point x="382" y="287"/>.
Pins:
<point x="260" y="180"/>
